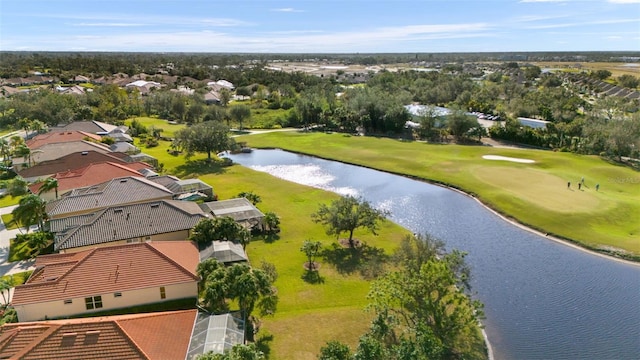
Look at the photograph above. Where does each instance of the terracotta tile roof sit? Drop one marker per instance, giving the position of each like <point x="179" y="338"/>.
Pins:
<point x="57" y="150"/>
<point x="59" y="137"/>
<point x="126" y="222"/>
<point x="91" y="174"/>
<point x="106" y="270"/>
<point x="71" y="161"/>
<point x="162" y="335"/>
<point x="118" y="191"/>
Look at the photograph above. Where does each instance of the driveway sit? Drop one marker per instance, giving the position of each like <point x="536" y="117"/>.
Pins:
<point x="6" y="267"/>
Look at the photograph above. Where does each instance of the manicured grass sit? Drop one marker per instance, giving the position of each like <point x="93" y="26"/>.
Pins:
<point x="9" y="200"/>
<point x="168" y="129"/>
<point x="7" y="220"/>
<point x="19" y="251"/>
<point x="534" y="194"/>
<point x="18" y="278"/>
<point x="308" y="314"/>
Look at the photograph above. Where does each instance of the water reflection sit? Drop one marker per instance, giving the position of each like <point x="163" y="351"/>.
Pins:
<point x="543" y="300"/>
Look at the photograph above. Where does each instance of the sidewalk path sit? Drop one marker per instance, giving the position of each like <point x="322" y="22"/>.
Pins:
<point x="6" y="267"/>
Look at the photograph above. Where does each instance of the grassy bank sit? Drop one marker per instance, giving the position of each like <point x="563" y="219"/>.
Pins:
<point x="534" y="194"/>
<point x="309" y="313"/>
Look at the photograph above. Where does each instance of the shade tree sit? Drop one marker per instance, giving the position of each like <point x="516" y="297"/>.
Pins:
<point x="208" y="137"/>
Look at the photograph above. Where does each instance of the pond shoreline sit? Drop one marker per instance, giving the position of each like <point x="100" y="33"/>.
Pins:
<point x="558" y="239"/>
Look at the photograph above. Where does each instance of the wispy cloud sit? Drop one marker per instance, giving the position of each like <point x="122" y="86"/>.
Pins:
<point x="376" y="38"/>
<point x="291" y="10"/>
<point x="588" y="23"/>
<point x="625" y="1"/>
<point x="102" y="24"/>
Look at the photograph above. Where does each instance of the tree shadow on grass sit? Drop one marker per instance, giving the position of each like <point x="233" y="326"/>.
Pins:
<point x="195" y="168"/>
<point x="267" y="238"/>
<point x="349" y="260"/>
<point x="263" y="344"/>
<point x="312" y="277"/>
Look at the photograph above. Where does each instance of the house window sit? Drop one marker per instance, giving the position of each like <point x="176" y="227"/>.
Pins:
<point x="148" y="238"/>
<point x="68" y="301"/>
<point x="163" y="293"/>
<point x="117" y="294"/>
<point x="94" y="302"/>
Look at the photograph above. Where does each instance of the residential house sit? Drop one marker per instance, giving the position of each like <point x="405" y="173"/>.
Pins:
<point x="60" y="137"/>
<point x="241" y="210"/>
<point x="184" y="189"/>
<point x="162" y="220"/>
<point x="108" y="278"/>
<point x="91" y="174"/>
<point x="77" y="160"/>
<point x="93" y="127"/>
<point x="150" y="336"/>
<point x="119" y="191"/>
<point x="111" y="337"/>
<point x="124" y="147"/>
<point x="56" y="151"/>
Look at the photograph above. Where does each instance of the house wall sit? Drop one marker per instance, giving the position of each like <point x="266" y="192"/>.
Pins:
<point x="172" y="236"/>
<point x="58" y="309"/>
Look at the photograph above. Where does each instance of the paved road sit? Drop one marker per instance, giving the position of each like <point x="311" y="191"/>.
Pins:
<point x="6" y="267"/>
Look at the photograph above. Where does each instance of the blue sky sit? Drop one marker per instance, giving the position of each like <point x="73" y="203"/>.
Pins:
<point x="312" y="26"/>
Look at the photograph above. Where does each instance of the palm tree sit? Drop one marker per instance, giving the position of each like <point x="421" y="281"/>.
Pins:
<point x="48" y="185"/>
<point x="251" y="196"/>
<point x="272" y="221"/>
<point x="5" y="287"/>
<point x="5" y="151"/>
<point x="24" y="152"/>
<point x="30" y="211"/>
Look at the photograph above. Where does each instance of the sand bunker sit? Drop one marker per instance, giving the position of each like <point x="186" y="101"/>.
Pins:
<point x="506" y="158"/>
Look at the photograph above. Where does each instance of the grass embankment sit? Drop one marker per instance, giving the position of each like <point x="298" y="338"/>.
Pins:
<point x="7" y="220"/>
<point x="9" y="200"/>
<point x="533" y="194"/>
<point x="616" y="68"/>
<point x="308" y="314"/>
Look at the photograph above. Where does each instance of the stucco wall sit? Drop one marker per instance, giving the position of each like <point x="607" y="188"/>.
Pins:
<point x="58" y="309"/>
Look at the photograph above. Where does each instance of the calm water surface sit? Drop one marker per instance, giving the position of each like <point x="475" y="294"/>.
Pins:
<point x="543" y="300"/>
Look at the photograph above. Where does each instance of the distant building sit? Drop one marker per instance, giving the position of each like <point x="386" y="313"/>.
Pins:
<point x="533" y="123"/>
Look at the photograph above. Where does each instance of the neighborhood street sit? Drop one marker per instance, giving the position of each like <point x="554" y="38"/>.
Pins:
<point x="6" y="267"/>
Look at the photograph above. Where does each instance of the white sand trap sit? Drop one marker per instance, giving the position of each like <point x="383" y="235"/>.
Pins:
<point x="506" y="158"/>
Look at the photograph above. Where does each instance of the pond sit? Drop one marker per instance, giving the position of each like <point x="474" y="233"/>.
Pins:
<point x="543" y="299"/>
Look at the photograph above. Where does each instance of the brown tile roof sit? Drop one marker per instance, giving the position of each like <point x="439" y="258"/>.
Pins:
<point x="91" y="174"/>
<point x="162" y="335"/>
<point x="125" y="222"/>
<point x="59" y="137"/>
<point x="71" y="161"/>
<point x="106" y="270"/>
<point x="118" y="191"/>
<point x="92" y="127"/>
<point x="57" y="150"/>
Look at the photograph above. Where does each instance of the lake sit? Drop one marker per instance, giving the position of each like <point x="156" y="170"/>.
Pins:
<point x="543" y="299"/>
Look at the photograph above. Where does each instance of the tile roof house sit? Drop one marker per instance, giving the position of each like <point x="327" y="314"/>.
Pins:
<point x="54" y="151"/>
<point x="91" y="174"/>
<point x="118" y="191"/>
<point x="68" y="162"/>
<point x="176" y="335"/>
<point x="108" y="278"/>
<point x="93" y="127"/>
<point x="241" y="210"/>
<point x="158" y="220"/>
<point x="183" y="188"/>
<point x="60" y="137"/>
<point x="108" y="337"/>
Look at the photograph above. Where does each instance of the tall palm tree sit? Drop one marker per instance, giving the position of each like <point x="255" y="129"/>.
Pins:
<point x="48" y="185"/>
<point x="30" y="211"/>
<point x="5" y="151"/>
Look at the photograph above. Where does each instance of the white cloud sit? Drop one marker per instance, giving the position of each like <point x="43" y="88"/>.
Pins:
<point x="588" y="23"/>
<point x="292" y="10"/>
<point x="108" y="24"/>
<point x="625" y="1"/>
<point x="376" y="39"/>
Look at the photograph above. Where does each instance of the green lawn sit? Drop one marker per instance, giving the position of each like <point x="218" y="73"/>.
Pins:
<point x="9" y="200"/>
<point x="308" y="314"/>
<point x="7" y="220"/>
<point x="168" y="129"/>
<point x="534" y="194"/>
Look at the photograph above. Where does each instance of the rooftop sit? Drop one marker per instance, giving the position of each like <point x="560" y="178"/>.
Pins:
<point x="123" y="222"/>
<point x="241" y="210"/>
<point x="118" y="191"/>
<point x="109" y="337"/>
<point x="109" y="269"/>
<point x="70" y="161"/>
<point x="60" y="137"/>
